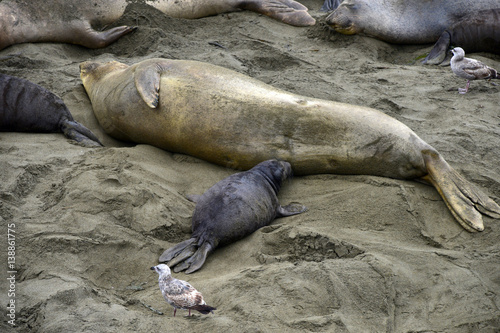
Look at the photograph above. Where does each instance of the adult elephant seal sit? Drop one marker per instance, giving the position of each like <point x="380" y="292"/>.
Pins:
<point x="475" y="32"/>
<point x="72" y="21"/>
<point x="402" y="21"/>
<point x="28" y="107"/>
<point x="230" y="210"/>
<point x="233" y="120"/>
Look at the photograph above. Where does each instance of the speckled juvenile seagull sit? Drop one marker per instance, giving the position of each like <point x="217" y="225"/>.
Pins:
<point x="180" y="294"/>
<point x="470" y="69"/>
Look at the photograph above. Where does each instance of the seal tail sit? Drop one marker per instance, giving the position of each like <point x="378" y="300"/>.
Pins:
<point x="187" y="255"/>
<point x="465" y="202"/>
<point x="177" y="251"/>
<point x="75" y="131"/>
<point x="196" y="261"/>
<point x="204" y="309"/>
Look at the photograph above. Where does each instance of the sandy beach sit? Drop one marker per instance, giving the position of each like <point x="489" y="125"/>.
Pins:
<point x="371" y="254"/>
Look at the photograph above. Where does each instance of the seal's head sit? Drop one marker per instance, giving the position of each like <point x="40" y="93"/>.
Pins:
<point x="344" y="18"/>
<point x="91" y="71"/>
<point x="275" y="171"/>
<point x="161" y="269"/>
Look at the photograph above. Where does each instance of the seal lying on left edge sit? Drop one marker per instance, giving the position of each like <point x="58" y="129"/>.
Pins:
<point x="230" y="210"/>
<point x="28" y="107"/>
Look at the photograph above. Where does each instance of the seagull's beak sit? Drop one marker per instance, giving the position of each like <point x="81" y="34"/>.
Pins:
<point x="153" y="268"/>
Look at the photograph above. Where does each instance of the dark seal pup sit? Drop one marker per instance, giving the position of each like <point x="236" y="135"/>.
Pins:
<point x="28" y="107"/>
<point x="477" y="32"/>
<point x="230" y="210"/>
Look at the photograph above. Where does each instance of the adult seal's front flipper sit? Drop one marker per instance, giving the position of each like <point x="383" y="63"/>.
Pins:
<point x="465" y="202"/>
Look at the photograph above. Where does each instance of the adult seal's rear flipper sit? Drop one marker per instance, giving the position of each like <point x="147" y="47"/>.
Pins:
<point x="286" y="11"/>
<point x="330" y="5"/>
<point x="465" y="202"/>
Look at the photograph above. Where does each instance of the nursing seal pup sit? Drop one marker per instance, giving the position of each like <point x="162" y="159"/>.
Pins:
<point x="28" y="107"/>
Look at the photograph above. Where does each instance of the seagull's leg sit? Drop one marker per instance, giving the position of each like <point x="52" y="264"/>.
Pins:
<point x="462" y="90"/>
<point x="175" y="310"/>
<point x="189" y="315"/>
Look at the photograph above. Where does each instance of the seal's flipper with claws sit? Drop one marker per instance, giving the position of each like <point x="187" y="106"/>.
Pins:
<point x="465" y="202"/>
<point x="286" y="11"/>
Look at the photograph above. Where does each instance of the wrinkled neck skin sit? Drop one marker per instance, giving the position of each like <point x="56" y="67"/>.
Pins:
<point x="274" y="175"/>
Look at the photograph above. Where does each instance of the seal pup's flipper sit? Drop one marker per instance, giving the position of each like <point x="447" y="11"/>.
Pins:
<point x="464" y="201"/>
<point x="198" y="259"/>
<point x="291" y="209"/>
<point x="75" y="131"/>
<point x="287" y="11"/>
<point x="175" y="250"/>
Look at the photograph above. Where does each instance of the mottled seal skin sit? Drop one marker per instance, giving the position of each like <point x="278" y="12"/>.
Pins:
<point x="475" y="32"/>
<point x="233" y="120"/>
<point x="230" y="210"/>
<point x="402" y="21"/>
<point x="28" y="107"/>
<point x="78" y="21"/>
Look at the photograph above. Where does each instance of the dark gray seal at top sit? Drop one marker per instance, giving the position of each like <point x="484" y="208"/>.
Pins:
<point x="28" y="107"/>
<point x="476" y="32"/>
<point x="230" y="210"/>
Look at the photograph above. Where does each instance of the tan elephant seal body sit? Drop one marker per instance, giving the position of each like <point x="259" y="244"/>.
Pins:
<point x="236" y="121"/>
<point x="70" y="21"/>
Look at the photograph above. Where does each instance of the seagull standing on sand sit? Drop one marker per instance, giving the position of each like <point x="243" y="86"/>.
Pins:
<point x="470" y="69"/>
<point x="180" y="294"/>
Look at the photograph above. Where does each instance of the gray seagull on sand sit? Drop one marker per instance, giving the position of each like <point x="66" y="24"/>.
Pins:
<point x="180" y="294"/>
<point x="470" y="69"/>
